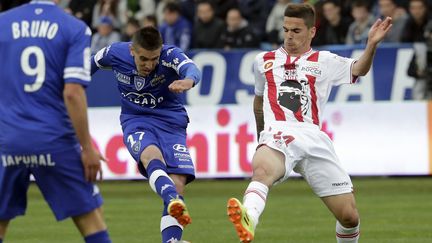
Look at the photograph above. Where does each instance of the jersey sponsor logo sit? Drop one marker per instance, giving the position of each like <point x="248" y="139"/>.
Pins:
<point x="312" y="68"/>
<point x="183" y="157"/>
<point x="123" y="78"/>
<point x="139" y="82"/>
<point x="292" y="95"/>
<point x="344" y="183"/>
<point x="180" y="148"/>
<point x="157" y="80"/>
<point x="168" y="64"/>
<point x="145" y="99"/>
<point x="268" y="65"/>
<point x="33" y="160"/>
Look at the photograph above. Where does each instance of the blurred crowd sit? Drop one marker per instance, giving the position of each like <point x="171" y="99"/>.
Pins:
<point x="232" y="24"/>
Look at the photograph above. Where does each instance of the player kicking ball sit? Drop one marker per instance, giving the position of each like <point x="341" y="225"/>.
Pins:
<point x="150" y="76"/>
<point x="292" y="86"/>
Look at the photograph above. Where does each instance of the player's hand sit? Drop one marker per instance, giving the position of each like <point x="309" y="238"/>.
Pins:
<point x="179" y="86"/>
<point x="379" y="30"/>
<point x="91" y="162"/>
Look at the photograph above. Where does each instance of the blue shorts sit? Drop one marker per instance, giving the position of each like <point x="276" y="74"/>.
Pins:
<point x="170" y="139"/>
<point x="59" y="176"/>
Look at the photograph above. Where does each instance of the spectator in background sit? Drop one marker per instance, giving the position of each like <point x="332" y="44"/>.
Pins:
<point x="414" y="28"/>
<point x="146" y="8"/>
<point x="223" y="6"/>
<point x="414" y="32"/>
<point x="115" y="9"/>
<point x="105" y="34"/>
<point x="363" y="20"/>
<point x="150" y="20"/>
<point x="274" y="30"/>
<point x="176" y="30"/>
<point x="207" y="28"/>
<point x="129" y="30"/>
<point x="187" y="9"/>
<point x="237" y="33"/>
<point x="81" y="9"/>
<point x="391" y="9"/>
<point x="256" y="13"/>
<point x="335" y="26"/>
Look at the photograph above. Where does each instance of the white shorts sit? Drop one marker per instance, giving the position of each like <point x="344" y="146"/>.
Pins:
<point x="309" y="152"/>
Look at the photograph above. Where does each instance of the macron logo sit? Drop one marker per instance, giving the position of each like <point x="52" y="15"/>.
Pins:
<point x="164" y="187"/>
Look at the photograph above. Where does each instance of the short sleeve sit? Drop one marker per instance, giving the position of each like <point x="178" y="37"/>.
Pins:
<point x="77" y="66"/>
<point x="259" y="75"/>
<point x="340" y="69"/>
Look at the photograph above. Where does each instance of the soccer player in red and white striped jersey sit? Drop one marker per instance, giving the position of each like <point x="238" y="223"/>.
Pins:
<point x="292" y="86"/>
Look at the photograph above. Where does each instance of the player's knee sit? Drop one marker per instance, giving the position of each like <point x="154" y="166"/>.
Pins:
<point x="350" y="218"/>
<point x="149" y="154"/>
<point x="263" y="175"/>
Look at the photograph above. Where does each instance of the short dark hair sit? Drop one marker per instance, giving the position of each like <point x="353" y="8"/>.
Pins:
<point x="148" y="38"/>
<point x="172" y="6"/>
<point x="303" y="11"/>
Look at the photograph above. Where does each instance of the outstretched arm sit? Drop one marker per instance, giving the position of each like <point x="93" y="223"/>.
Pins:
<point x="376" y="34"/>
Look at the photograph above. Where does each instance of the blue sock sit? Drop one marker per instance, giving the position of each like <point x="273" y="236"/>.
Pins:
<point x="160" y="182"/>
<point x="171" y="229"/>
<point x="98" y="237"/>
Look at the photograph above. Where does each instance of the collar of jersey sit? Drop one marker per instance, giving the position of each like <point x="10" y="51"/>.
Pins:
<point x="304" y="54"/>
<point x="42" y="2"/>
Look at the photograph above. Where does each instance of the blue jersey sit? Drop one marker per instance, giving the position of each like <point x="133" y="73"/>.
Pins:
<point x="148" y="96"/>
<point x="41" y="49"/>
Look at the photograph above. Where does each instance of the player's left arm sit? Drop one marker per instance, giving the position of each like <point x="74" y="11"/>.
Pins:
<point x="188" y="72"/>
<point x="376" y="34"/>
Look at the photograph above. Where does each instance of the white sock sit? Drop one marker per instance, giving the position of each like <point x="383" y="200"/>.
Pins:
<point x="254" y="199"/>
<point x="344" y="235"/>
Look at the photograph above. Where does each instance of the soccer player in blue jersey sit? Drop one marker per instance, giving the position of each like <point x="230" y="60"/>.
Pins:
<point x="44" y="58"/>
<point x="150" y="77"/>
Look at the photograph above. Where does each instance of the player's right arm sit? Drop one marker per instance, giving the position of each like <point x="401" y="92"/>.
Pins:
<point x="76" y="78"/>
<point x="101" y="60"/>
<point x="259" y="92"/>
<point x="76" y="103"/>
<point x="259" y="114"/>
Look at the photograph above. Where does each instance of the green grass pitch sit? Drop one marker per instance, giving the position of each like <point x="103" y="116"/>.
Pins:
<point x="392" y="210"/>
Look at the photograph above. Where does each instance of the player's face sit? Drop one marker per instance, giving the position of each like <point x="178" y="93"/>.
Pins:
<point x="298" y="36"/>
<point x="145" y="60"/>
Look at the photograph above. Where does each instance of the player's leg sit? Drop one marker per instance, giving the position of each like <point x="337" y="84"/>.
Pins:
<point x="344" y="209"/>
<point x="3" y="227"/>
<point x="92" y="226"/>
<point x="268" y="166"/>
<point x="177" y="208"/>
<point x="69" y="195"/>
<point x="14" y="183"/>
<point x="324" y="173"/>
<point x="161" y="183"/>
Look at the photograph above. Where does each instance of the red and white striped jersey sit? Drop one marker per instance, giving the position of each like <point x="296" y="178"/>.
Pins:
<point x="296" y="89"/>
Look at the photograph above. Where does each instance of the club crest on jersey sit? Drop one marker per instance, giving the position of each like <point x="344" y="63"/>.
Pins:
<point x="139" y="82"/>
<point x="136" y="147"/>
